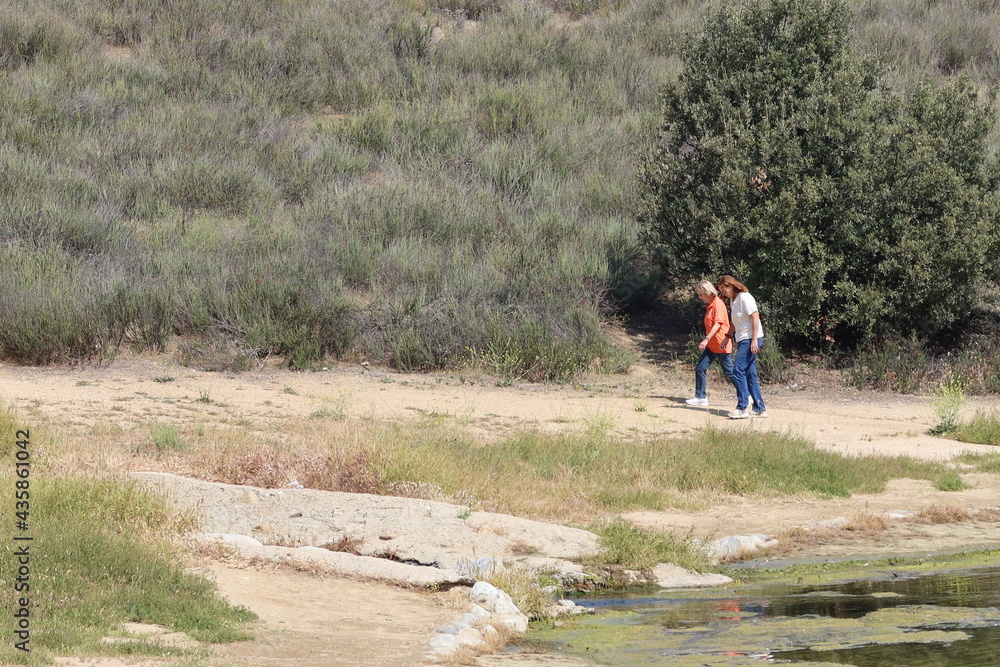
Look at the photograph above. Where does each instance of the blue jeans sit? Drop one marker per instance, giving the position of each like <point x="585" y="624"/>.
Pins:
<point x="745" y="376"/>
<point x="701" y="370"/>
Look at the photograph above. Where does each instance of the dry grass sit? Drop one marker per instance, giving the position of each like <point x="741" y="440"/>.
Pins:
<point x="521" y="548"/>
<point x="797" y="539"/>
<point x="991" y="514"/>
<point x="867" y="523"/>
<point x="864" y="524"/>
<point x="346" y="543"/>
<point x="943" y="513"/>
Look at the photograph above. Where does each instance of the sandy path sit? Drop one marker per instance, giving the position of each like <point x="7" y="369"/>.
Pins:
<point x="647" y="400"/>
<point x="305" y="620"/>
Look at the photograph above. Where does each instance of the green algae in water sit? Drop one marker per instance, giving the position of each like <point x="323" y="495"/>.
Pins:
<point x="863" y="623"/>
<point x="614" y="639"/>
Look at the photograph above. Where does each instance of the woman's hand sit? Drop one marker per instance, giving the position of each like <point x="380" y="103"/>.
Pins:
<point x="703" y="344"/>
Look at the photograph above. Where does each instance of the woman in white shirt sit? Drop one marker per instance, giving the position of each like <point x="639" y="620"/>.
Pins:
<point x="748" y="333"/>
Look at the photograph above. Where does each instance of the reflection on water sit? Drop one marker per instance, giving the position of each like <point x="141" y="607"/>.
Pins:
<point x="785" y="621"/>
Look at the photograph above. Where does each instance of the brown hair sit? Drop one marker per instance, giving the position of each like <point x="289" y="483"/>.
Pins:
<point x="729" y="281"/>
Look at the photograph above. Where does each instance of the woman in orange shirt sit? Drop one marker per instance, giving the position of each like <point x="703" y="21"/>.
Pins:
<point x="715" y="345"/>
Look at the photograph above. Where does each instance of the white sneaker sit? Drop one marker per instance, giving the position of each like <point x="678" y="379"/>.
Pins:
<point x="739" y="414"/>
<point x="697" y="401"/>
<point x="761" y="413"/>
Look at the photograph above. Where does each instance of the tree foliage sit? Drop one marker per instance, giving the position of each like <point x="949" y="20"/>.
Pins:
<point x="851" y="210"/>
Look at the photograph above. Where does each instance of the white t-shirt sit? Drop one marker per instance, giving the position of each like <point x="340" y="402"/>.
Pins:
<point x="743" y="306"/>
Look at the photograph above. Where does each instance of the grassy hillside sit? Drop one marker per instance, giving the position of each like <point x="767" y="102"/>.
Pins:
<point x="418" y="183"/>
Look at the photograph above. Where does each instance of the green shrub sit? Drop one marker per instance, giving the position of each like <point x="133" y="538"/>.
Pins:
<point x="746" y="181"/>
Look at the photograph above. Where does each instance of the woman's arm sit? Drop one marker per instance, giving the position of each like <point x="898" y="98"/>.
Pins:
<point x="711" y="334"/>
<point x="755" y="318"/>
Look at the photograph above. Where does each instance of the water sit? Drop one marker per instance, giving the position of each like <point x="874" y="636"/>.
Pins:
<point x="947" y="618"/>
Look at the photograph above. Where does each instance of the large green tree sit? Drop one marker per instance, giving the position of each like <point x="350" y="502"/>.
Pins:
<point x="849" y="209"/>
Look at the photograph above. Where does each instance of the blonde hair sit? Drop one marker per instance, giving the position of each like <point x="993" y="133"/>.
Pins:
<point x="705" y="287"/>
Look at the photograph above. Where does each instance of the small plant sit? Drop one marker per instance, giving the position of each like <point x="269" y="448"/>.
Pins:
<point x="624" y="544"/>
<point x="943" y="513"/>
<point x="164" y="378"/>
<point x="346" y="543"/>
<point x="204" y="396"/>
<point x="950" y="481"/>
<point x="289" y="390"/>
<point x="866" y="521"/>
<point x="526" y="588"/>
<point x="982" y="429"/>
<point x="166" y="438"/>
<point x="948" y="401"/>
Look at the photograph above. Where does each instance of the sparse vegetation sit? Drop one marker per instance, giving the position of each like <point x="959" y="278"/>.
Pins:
<point x="982" y="429"/>
<point x="943" y="513"/>
<point x="106" y="554"/>
<point x="948" y="402"/>
<point x="639" y="549"/>
<point x="302" y="179"/>
<point x="166" y="438"/>
<point x="572" y="476"/>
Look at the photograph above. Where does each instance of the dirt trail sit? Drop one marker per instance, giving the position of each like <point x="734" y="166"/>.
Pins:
<point x="307" y="621"/>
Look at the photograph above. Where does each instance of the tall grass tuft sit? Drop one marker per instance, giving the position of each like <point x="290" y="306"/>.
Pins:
<point x="624" y="544"/>
<point x="982" y="429"/>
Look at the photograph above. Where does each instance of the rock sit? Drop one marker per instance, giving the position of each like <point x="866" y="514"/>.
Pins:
<point x="563" y="570"/>
<point x="483" y="591"/>
<point x="479" y="612"/>
<point x="518" y="624"/>
<point x="448" y="630"/>
<point x="479" y="567"/>
<point x="503" y="608"/>
<point x="422" y="531"/>
<point x="249" y="497"/>
<point x="668" y="575"/>
<point x="237" y="540"/>
<point x="338" y="562"/>
<point x="737" y="547"/>
<point x="449" y="642"/>
<point x="566" y="603"/>
<point x="470" y="637"/>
